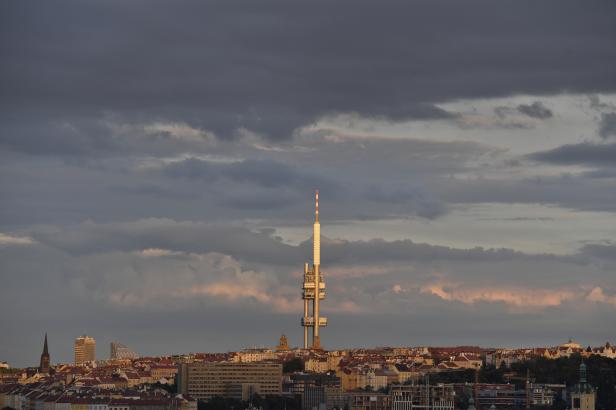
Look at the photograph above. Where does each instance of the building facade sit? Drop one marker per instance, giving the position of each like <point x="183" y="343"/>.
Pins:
<point x="204" y="380"/>
<point x="85" y="350"/>
<point x="583" y="396"/>
<point x="118" y="351"/>
<point x="369" y="401"/>
<point x="422" y="396"/>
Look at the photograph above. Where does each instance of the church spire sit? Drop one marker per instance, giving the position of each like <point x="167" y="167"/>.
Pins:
<point x="45" y="348"/>
<point x="44" y="364"/>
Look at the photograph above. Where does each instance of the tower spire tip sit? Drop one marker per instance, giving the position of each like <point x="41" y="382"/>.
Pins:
<point x="316" y="201"/>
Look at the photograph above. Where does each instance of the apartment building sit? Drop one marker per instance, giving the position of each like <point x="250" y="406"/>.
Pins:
<point x="204" y="380"/>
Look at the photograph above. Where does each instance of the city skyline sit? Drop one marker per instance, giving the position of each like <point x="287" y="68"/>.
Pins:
<point x="157" y="174"/>
<point x="273" y="347"/>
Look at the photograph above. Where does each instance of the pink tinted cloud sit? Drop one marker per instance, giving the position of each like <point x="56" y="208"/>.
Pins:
<point x="356" y="271"/>
<point x="513" y="296"/>
<point x="234" y="292"/>
<point x="597" y="294"/>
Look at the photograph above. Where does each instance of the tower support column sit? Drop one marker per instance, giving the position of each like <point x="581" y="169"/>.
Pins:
<point x="316" y="342"/>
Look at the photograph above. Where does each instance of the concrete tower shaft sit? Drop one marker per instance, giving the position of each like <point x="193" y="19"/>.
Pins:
<point x="314" y="286"/>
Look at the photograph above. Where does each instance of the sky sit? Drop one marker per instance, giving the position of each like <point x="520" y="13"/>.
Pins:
<point x="158" y="162"/>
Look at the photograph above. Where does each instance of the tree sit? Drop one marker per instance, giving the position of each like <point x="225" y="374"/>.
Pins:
<point x="294" y="365"/>
<point x="169" y="388"/>
<point x="601" y="374"/>
<point x="559" y="404"/>
<point x="490" y="374"/>
<point x="221" y="403"/>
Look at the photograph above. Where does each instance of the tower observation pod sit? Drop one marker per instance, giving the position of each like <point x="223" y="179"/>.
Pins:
<point x="313" y="287"/>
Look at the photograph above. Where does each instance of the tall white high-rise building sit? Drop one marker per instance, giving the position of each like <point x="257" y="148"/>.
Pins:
<point x="85" y="350"/>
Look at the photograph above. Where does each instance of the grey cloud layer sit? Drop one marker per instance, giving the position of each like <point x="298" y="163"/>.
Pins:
<point x="160" y="87"/>
<point x="162" y="268"/>
<point x="607" y="125"/>
<point x="138" y="140"/>
<point x="361" y="178"/>
<point x="257" y="184"/>
<point x="535" y="110"/>
<point x="584" y="153"/>
<point x="268" y="174"/>
<point x="274" y="67"/>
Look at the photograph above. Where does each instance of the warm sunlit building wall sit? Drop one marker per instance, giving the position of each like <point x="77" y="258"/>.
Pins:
<point x="228" y="379"/>
<point x="85" y="350"/>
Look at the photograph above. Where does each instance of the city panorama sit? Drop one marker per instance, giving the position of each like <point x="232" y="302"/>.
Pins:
<point x="325" y="205"/>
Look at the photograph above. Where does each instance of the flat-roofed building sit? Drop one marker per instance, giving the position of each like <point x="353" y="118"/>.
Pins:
<point x="164" y="371"/>
<point x="317" y="390"/>
<point x="421" y="396"/>
<point x="85" y="350"/>
<point x="204" y="380"/>
<point x="369" y="401"/>
<point x="499" y="395"/>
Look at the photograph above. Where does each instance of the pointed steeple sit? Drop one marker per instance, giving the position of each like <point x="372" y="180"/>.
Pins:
<point x="45" y="361"/>
<point x="316" y="205"/>
<point x="45" y="348"/>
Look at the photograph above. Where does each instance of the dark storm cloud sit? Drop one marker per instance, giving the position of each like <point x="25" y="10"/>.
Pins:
<point x="358" y="177"/>
<point x="607" y="125"/>
<point x="255" y="246"/>
<point x="269" y="174"/>
<point x="567" y="191"/>
<point x="419" y="111"/>
<point x="536" y="110"/>
<point x="92" y="238"/>
<point x="502" y="112"/>
<point x="67" y="135"/>
<point x="600" y="251"/>
<point x="422" y="202"/>
<point x="275" y="66"/>
<point x="601" y="173"/>
<point x="597" y="104"/>
<point x="585" y="153"/>
<point x="93" y="136"/>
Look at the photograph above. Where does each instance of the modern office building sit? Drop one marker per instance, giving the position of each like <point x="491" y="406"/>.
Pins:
<point x="314" y="287"/>
<point x="85" y="350"/>
<point x="316" y="389"/>
<point x="118" y="351"/>
<point x="422" y="396"/>
<point x="368" y="401"/>
<point x="544" y="394"/>
<point x="503" y="396"/>
<point x="204" y="380"/>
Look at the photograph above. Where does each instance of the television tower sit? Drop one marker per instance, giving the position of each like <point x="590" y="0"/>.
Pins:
<point x="314" y="286"/>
